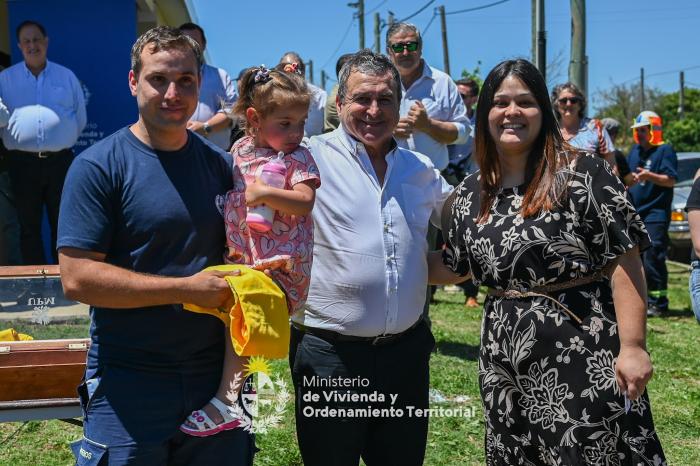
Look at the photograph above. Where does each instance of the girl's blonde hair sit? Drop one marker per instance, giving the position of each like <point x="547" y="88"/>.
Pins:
<point x="267" y="90"/>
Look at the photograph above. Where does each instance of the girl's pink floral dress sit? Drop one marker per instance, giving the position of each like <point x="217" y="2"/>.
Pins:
<point x="291" y="238"/>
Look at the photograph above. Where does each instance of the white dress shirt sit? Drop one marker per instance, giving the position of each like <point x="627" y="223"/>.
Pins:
<point x="217" y="94"/>
<point x="314" y="121"/>
<point x="47" y="112"/>
<point x="370" y="268"/>
<point x="442" y="102"/>
<point x="460" y="152"/>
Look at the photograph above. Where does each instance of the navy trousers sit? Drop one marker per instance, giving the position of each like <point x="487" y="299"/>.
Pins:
<point x="654" y="259"/>
<point x="132" y="417"/>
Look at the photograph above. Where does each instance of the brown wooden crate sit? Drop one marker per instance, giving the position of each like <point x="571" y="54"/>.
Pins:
<point x="41" y="369"/>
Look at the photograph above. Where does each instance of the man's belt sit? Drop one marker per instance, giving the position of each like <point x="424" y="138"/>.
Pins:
<point x="41" y="154"/>
<point x="336" y="337"/>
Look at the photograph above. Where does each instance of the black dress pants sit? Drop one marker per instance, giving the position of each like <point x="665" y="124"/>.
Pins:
<point x="37" y="182"/>
<point x="334" y="371"/>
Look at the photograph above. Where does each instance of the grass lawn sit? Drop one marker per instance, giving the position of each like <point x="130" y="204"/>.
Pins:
<point x="674" y="391"/>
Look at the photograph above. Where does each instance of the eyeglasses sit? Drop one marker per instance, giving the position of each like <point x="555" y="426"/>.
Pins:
<point x="571" y="100"/>
<point x="399" y="46"/>
<point x="467" y="96"/>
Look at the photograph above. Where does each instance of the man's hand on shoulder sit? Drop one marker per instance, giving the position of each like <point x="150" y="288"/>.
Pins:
<point x="196" y="126"/>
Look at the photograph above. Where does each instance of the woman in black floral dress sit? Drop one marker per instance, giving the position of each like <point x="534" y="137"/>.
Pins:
<point x="562" y="364"/>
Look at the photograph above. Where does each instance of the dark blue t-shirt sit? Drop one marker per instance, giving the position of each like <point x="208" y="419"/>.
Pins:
<point x="653" y="202"/>
<point x="152" y="212"/>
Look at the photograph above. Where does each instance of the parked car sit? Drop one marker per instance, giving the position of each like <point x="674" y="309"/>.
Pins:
<point x="678" y="231"/>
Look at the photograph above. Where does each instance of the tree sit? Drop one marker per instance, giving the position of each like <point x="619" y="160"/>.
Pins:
<point x="683" y="134"/>
<point x="622" y="102"/>
<point x="475" y="74"/>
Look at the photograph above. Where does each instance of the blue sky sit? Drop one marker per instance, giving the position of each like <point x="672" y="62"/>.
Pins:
<point x="622" y="35"/>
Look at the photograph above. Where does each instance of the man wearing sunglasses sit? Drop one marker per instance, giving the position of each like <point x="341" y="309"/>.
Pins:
<point x="432" y="112"/>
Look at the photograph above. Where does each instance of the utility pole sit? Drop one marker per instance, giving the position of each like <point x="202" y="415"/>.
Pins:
<point x="642" y="104"/>
<point x="360" y="5"/>
<point x="391" y="18"/>
<point x="311" y="71"/>
<point x="533" y="28"/>
<point x="578" y="66"/>
<point x="681" y="97"/>
<point x="445" y="52"/>
<point x="377" y="36"/>
<point x="541" y="50"/>
<point x="323" y="79"/>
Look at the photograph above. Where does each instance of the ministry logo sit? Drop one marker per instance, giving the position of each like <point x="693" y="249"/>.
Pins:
<point x="258" y="400"/>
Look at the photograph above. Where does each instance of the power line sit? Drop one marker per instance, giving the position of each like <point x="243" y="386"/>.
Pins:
<point x="419" y="11"/>
<point x="476" y="8"/>
<point x="376" y="7"/>
<point x="425" y="29"/>
<point x="340" y="44"/>
<point x="661" y="73"/>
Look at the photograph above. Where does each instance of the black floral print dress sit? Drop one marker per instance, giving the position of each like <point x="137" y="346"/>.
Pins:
<point x="547" y="381"/>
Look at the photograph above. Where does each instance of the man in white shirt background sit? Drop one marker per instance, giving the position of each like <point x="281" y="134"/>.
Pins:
<point x="363" y="320"/>
<point x="217" y="94"/>
<point x="432" y="112"/>
<point x="47" y="114"/>
<point x="314" y="122"/>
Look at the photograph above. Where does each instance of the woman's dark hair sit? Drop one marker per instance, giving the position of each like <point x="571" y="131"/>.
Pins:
<point x="548" y="154"/>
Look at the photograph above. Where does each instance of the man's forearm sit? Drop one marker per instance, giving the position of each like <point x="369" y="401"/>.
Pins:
<point x="439" y="273"/>
<point x="219" y="121"/>
<point x="662" y="180"/>
<point x="442" y="131"/>
<point x="101" y="284"/>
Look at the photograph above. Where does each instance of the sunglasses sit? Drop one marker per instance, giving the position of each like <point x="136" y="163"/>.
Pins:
<point x="571" y="100"/>
<point x="467" y="96"/>
<point x="399" y="46"/>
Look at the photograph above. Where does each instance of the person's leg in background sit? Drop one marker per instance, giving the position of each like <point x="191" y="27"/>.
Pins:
<point x="55" y="170"/>
<point x="25" y="181"/>
<point x="694" y="288"/>
<point x="654" y="259"/>
<point x="470" y="293"/>
<point x="9" y="225"/>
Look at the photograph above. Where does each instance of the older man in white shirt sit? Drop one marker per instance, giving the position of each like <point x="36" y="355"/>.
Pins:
<point x="362" y="329"/>
<point x="432" y="112"/>
<point x="217" y="94"/>
<point x="47" y="115"/>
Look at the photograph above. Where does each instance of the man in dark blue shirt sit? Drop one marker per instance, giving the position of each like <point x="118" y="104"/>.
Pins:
<point x="654" y="167"/>
<point x="138" y="223"/>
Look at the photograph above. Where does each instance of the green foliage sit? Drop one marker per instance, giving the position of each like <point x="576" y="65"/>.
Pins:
<point x="684" y="133"/>
<point x="474" y="74"/>
<point x="622" y="102"/>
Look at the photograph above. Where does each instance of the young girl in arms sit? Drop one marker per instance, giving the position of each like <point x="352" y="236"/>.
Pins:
<point x="275" y="105"/>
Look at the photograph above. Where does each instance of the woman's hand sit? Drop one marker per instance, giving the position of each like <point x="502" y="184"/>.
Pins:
<point x="633" y="370"/>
